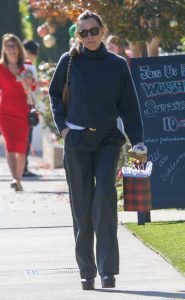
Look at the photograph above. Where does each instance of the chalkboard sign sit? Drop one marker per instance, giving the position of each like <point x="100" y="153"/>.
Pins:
<point x="160" y="84"/>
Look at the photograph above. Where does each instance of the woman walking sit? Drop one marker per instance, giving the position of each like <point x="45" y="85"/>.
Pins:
<point x="101" y="90"/>
<point x="13" y="107"/>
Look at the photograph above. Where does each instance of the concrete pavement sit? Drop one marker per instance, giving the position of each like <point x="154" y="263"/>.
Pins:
<point x="37" y="247"/>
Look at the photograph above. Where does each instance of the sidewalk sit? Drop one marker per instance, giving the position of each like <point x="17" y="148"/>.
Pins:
<point x="37" y="247"/>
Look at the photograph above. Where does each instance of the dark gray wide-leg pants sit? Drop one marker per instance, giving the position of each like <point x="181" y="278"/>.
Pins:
<point x="91" y="162"/>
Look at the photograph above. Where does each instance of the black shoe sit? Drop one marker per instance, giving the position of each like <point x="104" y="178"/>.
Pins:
<point x="13" y="184"/>
<point x="87" y="284"/>
<point x="16" y="186"/>
<point x="108" y="281"/>
<point x="27" y="173"/>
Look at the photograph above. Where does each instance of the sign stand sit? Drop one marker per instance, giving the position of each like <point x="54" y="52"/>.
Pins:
<point x="160" y="84"/>
<point x="143" y="217"/>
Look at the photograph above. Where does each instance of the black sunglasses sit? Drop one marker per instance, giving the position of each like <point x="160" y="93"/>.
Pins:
<point x="85" y="32"/>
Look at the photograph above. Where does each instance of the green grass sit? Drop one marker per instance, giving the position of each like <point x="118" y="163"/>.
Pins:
<point x="166" y="238"/>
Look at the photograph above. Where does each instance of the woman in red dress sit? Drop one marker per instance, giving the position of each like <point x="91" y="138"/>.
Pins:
<point x="13" y="107"/>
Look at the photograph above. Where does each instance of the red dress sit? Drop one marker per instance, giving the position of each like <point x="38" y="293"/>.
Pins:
<point x="13" y="112"/>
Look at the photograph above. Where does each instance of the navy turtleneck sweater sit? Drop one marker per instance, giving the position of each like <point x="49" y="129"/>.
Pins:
<point x="101" y="90"/>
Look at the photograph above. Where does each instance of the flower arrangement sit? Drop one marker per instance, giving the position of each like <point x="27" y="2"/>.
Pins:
<point x="28" y="81"/>
<point x="45" y="73"/>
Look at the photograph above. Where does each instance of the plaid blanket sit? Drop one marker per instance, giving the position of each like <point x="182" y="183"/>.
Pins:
<point x="137" y="194"/>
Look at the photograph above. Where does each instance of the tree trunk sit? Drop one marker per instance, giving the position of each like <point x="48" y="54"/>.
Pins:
<point x="136" y="49"/>
<point x="153" y="46"/>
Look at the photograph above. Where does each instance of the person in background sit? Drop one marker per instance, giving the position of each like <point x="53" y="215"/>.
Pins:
<point x="101" y="90"/>
<point x="113" y="44"/>
<point x="13" y="107"/>
<point x="32" y="51"/>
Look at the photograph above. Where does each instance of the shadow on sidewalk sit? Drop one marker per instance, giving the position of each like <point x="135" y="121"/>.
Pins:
<point x="167" y="295"/>
<point x="36" y="227"/>
<point x="35" y="178"/>
<point x="168" y="222"/>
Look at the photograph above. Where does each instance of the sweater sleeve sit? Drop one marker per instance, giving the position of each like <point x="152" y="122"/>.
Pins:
<point x="128" y="107"/>
<point x="55" y="92"/>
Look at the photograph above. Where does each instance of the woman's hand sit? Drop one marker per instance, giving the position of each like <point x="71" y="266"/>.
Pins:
<point x="65" y="132"/>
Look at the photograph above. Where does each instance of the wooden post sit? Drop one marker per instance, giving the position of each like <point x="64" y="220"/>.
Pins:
<point x="147" y="217"/>
<point x="140" y="218"/>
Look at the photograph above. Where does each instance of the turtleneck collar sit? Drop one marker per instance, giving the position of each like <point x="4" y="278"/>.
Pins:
<point x="95" y="54"/>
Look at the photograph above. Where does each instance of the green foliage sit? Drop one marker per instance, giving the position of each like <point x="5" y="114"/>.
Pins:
<point x="62" y="43"/>
<point x="119" y="189"/>
<point x="134" y="20"/>
<point x="167" y="238"/>
<point x="26" y="20"/>
<point x="141" y="20"/>
<point x="46" y="56"/>
<point x="45" y="74"/>
<point x="47" y="116"/>
<point x="29" y="29"/>
<point x="182" y="46"/>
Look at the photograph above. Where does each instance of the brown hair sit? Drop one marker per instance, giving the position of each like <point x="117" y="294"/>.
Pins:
<point x="11" y="37"/>
<point x="115" y="39"/>
<point x="88" y="14"/>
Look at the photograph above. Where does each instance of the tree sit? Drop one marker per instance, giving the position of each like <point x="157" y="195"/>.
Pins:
<point x="30" y="23"/>
<point x="10" y="20"/>
<point x="140" y="22"/>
